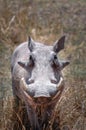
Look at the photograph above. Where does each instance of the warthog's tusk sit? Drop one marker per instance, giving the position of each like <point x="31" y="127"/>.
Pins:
<point x="25" y="97"/>
<point x="23" y="84"/>
<point x="59" y="83"/>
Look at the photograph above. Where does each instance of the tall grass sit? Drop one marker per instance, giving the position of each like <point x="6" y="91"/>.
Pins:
<point x="45" y="21"/>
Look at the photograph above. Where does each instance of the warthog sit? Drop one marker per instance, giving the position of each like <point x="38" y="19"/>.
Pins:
<point x="37" y="79"/>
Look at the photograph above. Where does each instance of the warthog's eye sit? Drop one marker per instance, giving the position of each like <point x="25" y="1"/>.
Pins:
<point x="55" y="62"/>
<point x="31" y="60"/>
<point x="55" y="57"/>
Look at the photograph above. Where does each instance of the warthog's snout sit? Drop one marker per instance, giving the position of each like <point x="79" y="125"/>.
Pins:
<point x="42" y="93"/>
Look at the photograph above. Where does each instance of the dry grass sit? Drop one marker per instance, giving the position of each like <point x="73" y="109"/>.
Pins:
<point x="46" y="21"/>
<point x="15" y="117"/>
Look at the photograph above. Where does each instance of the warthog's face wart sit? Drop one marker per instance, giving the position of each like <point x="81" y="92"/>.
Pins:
<point x="45" y="69"/>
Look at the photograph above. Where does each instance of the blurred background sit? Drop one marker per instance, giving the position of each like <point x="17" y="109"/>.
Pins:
<point x="46" y="21"/>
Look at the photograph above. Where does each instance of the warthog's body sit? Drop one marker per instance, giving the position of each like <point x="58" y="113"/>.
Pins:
<point x="37" y="78"/>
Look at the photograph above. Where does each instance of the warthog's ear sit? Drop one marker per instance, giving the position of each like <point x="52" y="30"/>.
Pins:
<point x="59" y="45"/>
<point x="31" y="44"/>
<point x="64" y="63"/>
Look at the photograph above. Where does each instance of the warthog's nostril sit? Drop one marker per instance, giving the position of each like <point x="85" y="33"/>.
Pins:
<point x="30" y="81"/>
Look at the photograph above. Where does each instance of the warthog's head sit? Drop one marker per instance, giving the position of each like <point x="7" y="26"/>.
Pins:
<point x="44" y="66"/>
